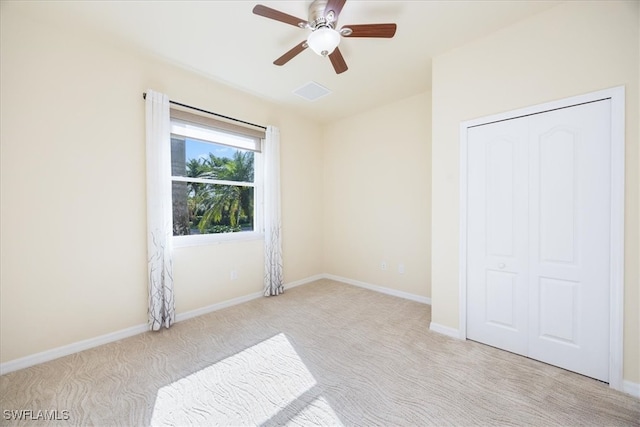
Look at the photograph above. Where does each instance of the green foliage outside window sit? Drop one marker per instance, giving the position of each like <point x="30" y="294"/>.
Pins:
<point x="215" y="208"/>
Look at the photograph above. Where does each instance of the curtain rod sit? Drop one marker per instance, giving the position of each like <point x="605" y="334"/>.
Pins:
<point x="144" y="96"/>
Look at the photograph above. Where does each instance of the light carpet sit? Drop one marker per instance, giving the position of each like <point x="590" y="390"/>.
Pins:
<point x="325" y="353"/>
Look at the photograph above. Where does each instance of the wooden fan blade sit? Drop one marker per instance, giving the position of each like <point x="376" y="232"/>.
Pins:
<point x="267" y="12"/>
<point x="291" y="54"/>
<point x="338" y="61"/>
<point x="335" y="6"/>
<point x="370" y="30"/>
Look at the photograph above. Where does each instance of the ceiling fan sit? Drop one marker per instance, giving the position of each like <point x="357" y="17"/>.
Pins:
<point x="324" y="38"/>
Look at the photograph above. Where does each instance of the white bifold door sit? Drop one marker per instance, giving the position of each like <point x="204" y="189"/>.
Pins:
<point x="538" y="236"/>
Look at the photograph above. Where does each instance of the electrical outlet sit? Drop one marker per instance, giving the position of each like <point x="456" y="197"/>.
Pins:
<point x="234" y="274"/>
<point x="400" y="268"/>
<point x="383" y="265"/>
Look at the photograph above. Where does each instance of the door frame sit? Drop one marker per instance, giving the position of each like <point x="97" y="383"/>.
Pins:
<point x="616" y="249"/>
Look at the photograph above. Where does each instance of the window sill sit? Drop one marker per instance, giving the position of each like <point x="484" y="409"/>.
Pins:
<point x="215" y="239"/>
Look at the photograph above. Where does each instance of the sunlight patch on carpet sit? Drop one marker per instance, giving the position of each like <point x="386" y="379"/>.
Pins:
<point x="318" y="412"/>
<point x="248" y="388"/>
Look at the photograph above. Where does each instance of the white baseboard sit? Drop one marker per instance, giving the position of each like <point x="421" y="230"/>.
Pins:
<point x="65" y="350"/>
<point x="239" y="300"/>
<point x="444" y="330"/>
<point x="55" y="353"/>
<point x="217" y="306"/>
<point x="381" y="289"/>
<point x="303" y="281"/>
<point x="631" y="388"/>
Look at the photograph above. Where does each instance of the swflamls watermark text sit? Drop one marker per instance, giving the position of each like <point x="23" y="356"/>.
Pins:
<point x="39" y="415"/>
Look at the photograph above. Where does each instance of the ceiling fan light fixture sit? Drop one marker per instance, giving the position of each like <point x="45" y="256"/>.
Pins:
<point x="323" y="40"/>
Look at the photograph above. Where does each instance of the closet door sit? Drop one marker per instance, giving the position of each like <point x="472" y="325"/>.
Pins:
<point x="569" y="238"/>
<point x="497" y="293"/>
<point x="538" y="236"/>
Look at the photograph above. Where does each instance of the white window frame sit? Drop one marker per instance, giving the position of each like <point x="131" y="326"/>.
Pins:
<point x="222" y="137"/>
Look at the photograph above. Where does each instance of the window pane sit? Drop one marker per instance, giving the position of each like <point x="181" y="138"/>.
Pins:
<point x="198" y="159"/>
<point x="211" y="208"/>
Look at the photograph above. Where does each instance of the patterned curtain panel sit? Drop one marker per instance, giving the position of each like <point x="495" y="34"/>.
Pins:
<point x="273" y="280"/>
<point x="162" y="310"/>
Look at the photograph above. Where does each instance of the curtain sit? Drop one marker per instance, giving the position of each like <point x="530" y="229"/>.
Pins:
<point x="273" y="281"/>
<point x="162" y="310"/>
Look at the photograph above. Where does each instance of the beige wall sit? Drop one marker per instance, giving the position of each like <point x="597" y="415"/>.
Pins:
<point x="377" y="196"/>
<point x="575" y="48"/>
<point x="73" y="244"/>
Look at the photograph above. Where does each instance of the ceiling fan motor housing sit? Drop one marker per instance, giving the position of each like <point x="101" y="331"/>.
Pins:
<point x="317" y="17"/>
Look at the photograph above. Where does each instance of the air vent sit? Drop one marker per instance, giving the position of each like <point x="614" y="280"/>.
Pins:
<point x="312" y="91"/>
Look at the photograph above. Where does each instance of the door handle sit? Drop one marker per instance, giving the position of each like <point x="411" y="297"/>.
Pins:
<point x="501" y="266"/>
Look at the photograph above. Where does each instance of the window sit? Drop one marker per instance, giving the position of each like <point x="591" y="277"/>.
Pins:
<point x="216" y="187"/>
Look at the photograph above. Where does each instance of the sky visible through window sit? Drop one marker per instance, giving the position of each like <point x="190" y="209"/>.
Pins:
<point x="200" y="150"/>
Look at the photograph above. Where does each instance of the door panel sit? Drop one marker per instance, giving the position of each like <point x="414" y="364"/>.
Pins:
<point x="497" y="274"/>
<point x="569" y="238"/>
<point x="501" y="299"/>
<point x="558" y="310"/>
<point x="557" y="185"/>
<point x="499" y="172"/>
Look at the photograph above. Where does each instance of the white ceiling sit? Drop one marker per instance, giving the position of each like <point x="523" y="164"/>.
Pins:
<point x="224" y="40"/>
